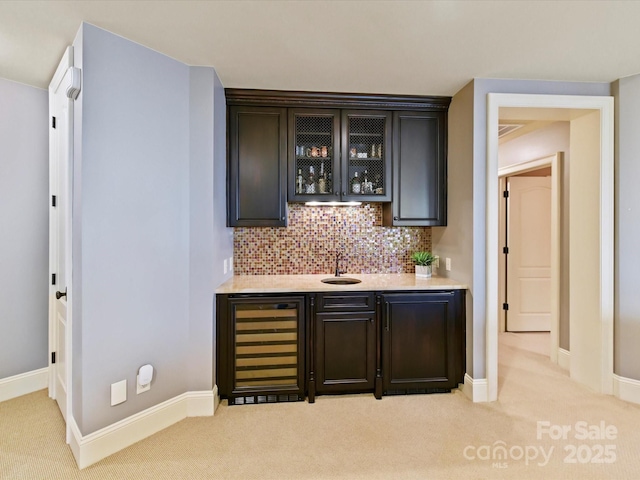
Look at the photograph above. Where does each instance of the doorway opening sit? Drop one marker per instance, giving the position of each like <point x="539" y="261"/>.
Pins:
<point x="530" y="269"/>
<point x="590" y="234"/>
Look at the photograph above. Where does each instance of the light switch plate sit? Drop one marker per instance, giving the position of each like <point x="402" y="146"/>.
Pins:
<point x="447" y="264"/>
<point x="436" y="262"/>
<point x="118" y="392"/>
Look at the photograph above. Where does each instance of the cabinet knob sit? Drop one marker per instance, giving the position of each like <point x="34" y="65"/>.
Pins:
<point x="395" y="218"/>
<point x="283" y="219"/>
<point x="337" y="194"/>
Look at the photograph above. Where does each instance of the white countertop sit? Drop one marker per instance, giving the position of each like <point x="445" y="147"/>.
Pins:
<point x="312" y="283"/>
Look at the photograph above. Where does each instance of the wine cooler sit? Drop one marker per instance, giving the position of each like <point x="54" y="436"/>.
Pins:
<point x="267" y="350"/>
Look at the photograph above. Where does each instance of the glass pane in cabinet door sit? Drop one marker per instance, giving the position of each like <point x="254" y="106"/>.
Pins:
<point x="366" y="155"/>
<point x="314" y="155"/>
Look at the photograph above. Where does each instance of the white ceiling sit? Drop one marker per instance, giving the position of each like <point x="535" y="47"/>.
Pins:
<point x="403" y="47"/>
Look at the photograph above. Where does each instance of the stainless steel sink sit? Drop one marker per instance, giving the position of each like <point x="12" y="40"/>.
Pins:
<point x="340" y="280"/>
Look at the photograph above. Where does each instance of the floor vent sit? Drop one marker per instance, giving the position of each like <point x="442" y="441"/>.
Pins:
<point x="412" y="391"/>
<point x="255" y="399"/>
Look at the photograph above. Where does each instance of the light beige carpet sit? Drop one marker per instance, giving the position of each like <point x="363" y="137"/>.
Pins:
<point x="442" y="436"/>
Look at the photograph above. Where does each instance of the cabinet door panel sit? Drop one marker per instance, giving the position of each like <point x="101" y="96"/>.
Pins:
<point x="257" y="166"/>
<point x="422" y="341"/>
<point x="419" y="170"/>
<point x="418" y="342"/>
<point x="366" y="150"/>
<point x="314" y="147"/>
<point x="345" y="352"/>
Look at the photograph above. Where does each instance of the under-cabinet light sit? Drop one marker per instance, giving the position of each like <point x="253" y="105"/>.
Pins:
<point x="333" y="204"/>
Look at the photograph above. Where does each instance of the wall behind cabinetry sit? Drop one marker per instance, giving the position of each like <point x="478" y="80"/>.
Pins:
<point x="309" y="243"/>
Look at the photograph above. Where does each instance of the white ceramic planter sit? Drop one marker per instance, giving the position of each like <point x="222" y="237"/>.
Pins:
<point x="423" y="271"/>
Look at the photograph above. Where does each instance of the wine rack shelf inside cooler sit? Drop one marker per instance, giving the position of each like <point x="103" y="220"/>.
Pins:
<point x="266" y="339"/>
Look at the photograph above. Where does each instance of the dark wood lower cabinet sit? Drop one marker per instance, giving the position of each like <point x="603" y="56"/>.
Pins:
<point x="274" y="348"/>
<point x="345" y="352"/>
<point x="422" y="342"/>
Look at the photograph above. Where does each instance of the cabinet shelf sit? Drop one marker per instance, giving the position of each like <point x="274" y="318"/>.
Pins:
<point x="363" y="134"/>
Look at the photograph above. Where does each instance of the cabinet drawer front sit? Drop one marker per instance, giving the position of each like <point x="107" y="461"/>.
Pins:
<point x="346" y="302"/>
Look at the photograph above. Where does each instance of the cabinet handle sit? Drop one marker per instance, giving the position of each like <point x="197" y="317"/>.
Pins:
<point x="387" y="319"/>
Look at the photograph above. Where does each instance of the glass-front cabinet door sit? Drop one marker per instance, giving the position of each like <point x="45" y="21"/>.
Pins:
<point x="314" y="155"/>
<point x="366" y="156"/>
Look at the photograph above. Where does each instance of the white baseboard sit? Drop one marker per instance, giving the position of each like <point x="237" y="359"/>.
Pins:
<point x="564" y="359"/>
<point x="89" y="449"/>
<point x="476" y="389"/>
<point x="626" y="389"/>
<point x="18" y="385"/>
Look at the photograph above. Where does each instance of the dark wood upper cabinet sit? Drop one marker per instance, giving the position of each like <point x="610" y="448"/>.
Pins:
<point x="257" y="167"/>
<point x="419" y="170"/>
<point x="277" y="140"/>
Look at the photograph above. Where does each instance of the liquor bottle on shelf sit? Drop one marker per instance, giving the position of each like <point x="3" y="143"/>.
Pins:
<point x="311" y="181"/>
<point x="300" y="188"/>
<point x="322" y="179"/>
<point x="355" y="184"/>
<point x="378" y="187"/>
<point x="366" y="187"/>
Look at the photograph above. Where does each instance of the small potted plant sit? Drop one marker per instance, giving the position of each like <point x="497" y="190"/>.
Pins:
<point x="423" y="261"/>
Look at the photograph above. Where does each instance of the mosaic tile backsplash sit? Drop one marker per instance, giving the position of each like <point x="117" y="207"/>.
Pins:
<point x="309" y="244"/>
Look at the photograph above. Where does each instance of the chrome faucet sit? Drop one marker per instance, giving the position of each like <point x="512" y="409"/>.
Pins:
<point x="338" y="255"/>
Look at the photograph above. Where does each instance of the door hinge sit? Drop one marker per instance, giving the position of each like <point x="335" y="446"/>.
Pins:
<point x="53" y="122"/>
<point x="505" y="249"/>
<point x="53" y="357"/>
<point x="505" y="194"/>
<point x="53" y="200"/>
<point x="505" y="306"/>
<point x="53" y="279"/>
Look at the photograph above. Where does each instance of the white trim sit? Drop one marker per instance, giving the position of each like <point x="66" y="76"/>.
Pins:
<point x="626" y="389"/>
<point x="564" y="359"/>
<point x="24" y="383"/>
<point x="475" y="390"/>
<point x="528" y="166"/>
<point x="89" y="449"/>
<point x="605" y="106"/>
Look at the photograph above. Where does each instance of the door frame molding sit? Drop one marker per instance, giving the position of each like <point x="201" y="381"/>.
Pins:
<point x="605" y="107"/>
<point x="556" y="162"/>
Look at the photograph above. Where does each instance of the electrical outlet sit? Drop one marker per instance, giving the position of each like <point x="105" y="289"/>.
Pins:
<point x="141" y="388"/>
<point x="447" y="264"/>
<point x="231" y="264"/>
<point x="436" y="262"/>
<point x="225" y="266"/>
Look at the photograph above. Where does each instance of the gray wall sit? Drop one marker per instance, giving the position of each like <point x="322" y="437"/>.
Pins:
<point x="477" y="271"/>
<point x="456" y="239"/>
<point x="210" y="239"/>
<point x="223" y="236"/>
<point x="143" y="226"/>
<point x="627" y="227"/>
<point x="24" y="219"/>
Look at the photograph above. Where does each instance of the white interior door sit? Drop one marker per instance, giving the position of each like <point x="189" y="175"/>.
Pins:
<point x="61" y="92"/>
<point x="529" y="258"/>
